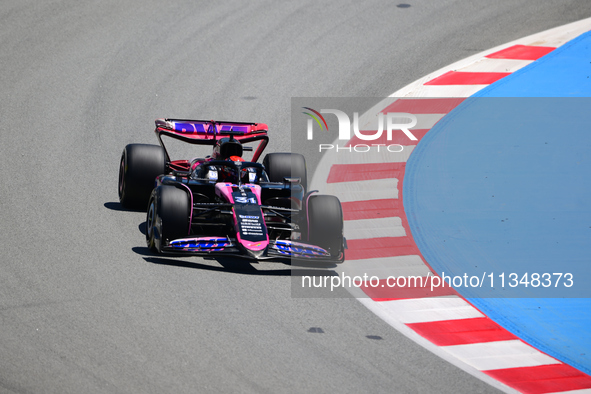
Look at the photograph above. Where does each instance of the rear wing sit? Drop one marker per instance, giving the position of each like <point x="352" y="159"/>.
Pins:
<point x="207" y="132"/>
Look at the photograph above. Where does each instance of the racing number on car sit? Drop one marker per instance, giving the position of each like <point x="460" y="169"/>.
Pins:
<point x="245" y="200"/>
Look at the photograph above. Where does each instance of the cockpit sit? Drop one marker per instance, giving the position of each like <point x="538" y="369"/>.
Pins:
<point x="237" y="172"/>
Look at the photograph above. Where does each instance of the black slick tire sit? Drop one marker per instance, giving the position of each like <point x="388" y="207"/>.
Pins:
<point x="168" y="216"/>
<point x="140" y="164"/>
<point x="286" y="165"/>
<point x="325" y="229"/>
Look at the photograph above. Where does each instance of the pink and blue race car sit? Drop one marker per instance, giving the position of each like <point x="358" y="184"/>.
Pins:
<point x="223" y="204"/>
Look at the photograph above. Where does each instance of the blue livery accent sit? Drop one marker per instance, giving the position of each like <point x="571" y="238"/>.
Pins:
<point x="199" y="245"/>
<point x="297" y="249"/>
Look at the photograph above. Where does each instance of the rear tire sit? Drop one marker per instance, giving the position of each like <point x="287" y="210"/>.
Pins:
<point x="286" y="165"/>
<point x="140" y="164"/>
<point x="325" y="228"/>
<point x="168" y="216"/>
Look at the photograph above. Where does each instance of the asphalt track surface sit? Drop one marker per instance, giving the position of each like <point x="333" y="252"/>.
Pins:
<point x="84" y="307"/>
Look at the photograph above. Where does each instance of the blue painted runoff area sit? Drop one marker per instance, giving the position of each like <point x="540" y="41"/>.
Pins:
<point x="502" y="186"/>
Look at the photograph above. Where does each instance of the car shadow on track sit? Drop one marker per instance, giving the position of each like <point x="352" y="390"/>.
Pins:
<point x="237" y="265"/>
<point x="116" y="206"/>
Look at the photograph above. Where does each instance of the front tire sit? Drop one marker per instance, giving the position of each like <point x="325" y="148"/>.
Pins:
<point x="325" y="229"/>
<point x="140" y="164"/>
<point x="286" y="165"/>
<point x="168" y="216"/>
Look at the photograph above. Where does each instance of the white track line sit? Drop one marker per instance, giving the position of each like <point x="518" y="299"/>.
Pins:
<point x="363" y="190"/>
<point x="489" y="356"/>
<point x="386" y="267"/>
<point x="372" y="228"/>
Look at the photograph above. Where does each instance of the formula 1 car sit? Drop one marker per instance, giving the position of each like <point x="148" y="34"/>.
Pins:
<point x="223" y="205"/>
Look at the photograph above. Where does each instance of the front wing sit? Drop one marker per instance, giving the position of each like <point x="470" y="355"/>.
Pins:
<point x="223" y="246"/>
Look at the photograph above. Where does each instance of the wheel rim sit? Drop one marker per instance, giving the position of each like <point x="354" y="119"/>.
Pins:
<point x="151" y="218"/>
<point x="121" y="176"/>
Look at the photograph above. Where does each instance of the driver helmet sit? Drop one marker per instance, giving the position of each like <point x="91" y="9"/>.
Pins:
<point x="235" y="158"/>
<point x="230" y="174"/>
<point x="248" y="174"/>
